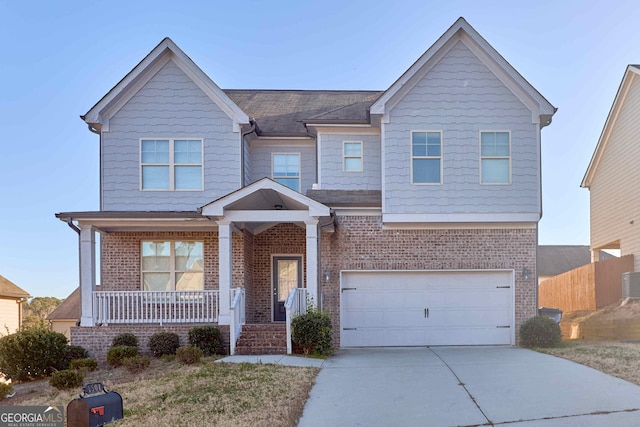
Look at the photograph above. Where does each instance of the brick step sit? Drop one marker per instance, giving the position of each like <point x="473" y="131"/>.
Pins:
<point x="269" y="338"/>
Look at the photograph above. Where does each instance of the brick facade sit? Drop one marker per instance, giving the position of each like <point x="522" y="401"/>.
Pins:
<point x="360" y="243"/>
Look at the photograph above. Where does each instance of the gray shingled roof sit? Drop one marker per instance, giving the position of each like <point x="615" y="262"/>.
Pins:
<point x="282" y="112"/>
<point x="347" y="198"/>
<point x="10" y="289"/>
<point x="558" y="259"/>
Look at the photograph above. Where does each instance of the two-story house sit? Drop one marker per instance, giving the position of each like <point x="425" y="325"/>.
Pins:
<point x="410" y="214"/>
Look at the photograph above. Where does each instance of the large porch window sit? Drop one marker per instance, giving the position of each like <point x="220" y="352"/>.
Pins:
<point x="172" y="265"/>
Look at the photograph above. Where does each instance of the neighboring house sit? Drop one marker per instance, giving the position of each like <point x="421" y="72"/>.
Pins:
<point x="66" y="314"/>
<point x="613" y="176"/>
<point x="11" y="299"/>
<point x="558" y="259"/>
<point x="409" y="214"/>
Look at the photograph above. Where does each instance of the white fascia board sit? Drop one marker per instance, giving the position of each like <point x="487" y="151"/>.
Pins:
<point x="460" y="226"/>
<point x="332" y="130"/>
<point x="464" y="218"/>
<point x="267" y="216"/>
<point x="629" y="77"/>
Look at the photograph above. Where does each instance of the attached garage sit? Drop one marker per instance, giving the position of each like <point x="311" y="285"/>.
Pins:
<point x="417" y="308"/>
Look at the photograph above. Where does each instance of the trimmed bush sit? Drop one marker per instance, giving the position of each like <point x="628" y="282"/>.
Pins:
<point x="32" y="353"/>
<point x="66" y="379"/>
<point x="189" y="354"/>
<point x="136" y="364"/>
<point x="312" y="331"/>
<point x="5" y="390"/>
<point x="117" y="354"/>
<point x="208" y="339"/>
<point x="75" y="352"/>
<point x="125" y="339"/>
<point x="540" y="331"/>
<point x="163" y="343"/>
<point x="86" y="364"/>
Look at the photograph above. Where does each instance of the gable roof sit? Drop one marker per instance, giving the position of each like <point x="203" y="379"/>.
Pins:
<point x="10" y="289"/>
<point x="558" y="259"/>
<point x="98" y="116"/>
<point x="285" y="112"/>
<point x="630" y="75"/>
<point x="461" y="31"/>
<point x="67" y="309"/>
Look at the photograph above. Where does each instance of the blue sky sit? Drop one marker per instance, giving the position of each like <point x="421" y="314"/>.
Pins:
<point x="61" y="57"/>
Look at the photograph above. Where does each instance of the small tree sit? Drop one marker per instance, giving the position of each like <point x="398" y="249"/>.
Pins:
<point x="312" y="331"/>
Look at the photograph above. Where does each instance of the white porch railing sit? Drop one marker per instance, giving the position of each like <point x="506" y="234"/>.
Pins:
<point x="237" y="310"/>
<point x="155" y="307"/>
<point x="296" y="304"/>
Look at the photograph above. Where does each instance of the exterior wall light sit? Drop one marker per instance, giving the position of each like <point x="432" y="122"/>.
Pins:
<point x="327" y="275"/>
<point x="526" y="274"/>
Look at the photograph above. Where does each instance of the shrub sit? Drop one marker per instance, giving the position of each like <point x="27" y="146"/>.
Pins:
<point x="5" y="390"/>
<point x="312" y="331"/>
<point x="189" y="354"/>
<point x="208" y="339"/>
<point x="163" y="343"/>
<point x="540" y="331"/>
<point x="75" y="352"/>
<point x="125" y="339"/>
<point x="85" y="364"/>
<point x="32" y="353"/>
<point x="117" y="354"/>
<point x="136" y="364"/>
<point x="66" y="379"/>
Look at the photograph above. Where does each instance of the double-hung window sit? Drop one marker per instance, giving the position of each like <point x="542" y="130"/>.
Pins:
<point x="172" y="265"/>
<point x="171" y="164"/>
<point x="426" y="157"/>
<point x="286" y="169"/>
<point x="495" y="157"/>
<point x="352" y="156"/>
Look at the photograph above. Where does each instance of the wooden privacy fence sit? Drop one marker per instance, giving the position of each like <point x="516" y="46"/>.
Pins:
<point x="586" y="288"/>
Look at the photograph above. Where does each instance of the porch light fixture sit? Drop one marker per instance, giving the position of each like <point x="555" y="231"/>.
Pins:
<point x="278" y="207"/>
<point x="327" y="275"/>
<point x="526" y="273"/>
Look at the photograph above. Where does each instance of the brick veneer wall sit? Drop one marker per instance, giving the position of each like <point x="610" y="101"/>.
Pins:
<point x="360" y="243"/>
<point x="283" y="239"/>
<point x="97" y="340"/>
<point x="120" y="266"/>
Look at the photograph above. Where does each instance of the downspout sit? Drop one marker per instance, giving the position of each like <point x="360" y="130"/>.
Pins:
<point x="73" y="226"/>
<point x="242" y="159"/>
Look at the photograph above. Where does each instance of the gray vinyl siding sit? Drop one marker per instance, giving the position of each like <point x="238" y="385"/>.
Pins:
<point x="332" y="174"/>
<point x="170" y="105"/>
<point x="261" y="161"/>
<point x="460" y="97"/>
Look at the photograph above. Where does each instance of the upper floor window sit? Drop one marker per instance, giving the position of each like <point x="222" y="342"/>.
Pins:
<point x="168" y="266"/>
<point x="171" y="164"/>
<point x="352" y="156"/>
<point x="426" y="157"/>
<point x="286" y="169"/>
<point x="495" y="157"/>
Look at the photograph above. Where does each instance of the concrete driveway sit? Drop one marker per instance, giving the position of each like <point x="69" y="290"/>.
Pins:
<point x="466" y="386"/>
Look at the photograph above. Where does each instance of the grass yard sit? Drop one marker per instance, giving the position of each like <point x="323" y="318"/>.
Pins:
<point x="619" y="359"/>
<point x="169" y="393"/>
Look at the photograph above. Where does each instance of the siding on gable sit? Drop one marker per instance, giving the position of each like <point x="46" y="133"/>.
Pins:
<point x="332" y="174"/>
<point x="460" y="97"/>
<point x="261" y="161"/>
<point x="170" y="105"/>
<point x="615" y="188"/>
<point x="9" y="316"/>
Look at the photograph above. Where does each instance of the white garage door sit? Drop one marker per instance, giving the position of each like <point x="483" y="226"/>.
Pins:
<point x="411" y="308"/>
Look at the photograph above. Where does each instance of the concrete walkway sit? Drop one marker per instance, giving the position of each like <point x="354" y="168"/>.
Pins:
<point x="466" y="386"/>
<point x="276" y="359"/>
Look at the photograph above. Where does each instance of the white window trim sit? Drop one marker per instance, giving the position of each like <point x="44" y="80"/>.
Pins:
<point x="345" y="157"/>
<point x="172" y="262"/>
<point x="171" y="163"/>
<point x="411" y="157"/>
<point x="481" y="157"/>
<point x="273" y="176"/>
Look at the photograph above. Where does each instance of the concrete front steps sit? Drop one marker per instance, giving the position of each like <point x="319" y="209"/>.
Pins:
<point x="263" y="338"/>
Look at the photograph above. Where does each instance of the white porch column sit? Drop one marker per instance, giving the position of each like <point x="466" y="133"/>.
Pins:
<point x="595" y="255"/>
<point x="224" y="271"/>
<point x="87" y="274"/>
<point x="312" y="260"/>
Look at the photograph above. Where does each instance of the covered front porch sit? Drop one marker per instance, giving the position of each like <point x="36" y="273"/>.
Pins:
<point x="253" y="258"/>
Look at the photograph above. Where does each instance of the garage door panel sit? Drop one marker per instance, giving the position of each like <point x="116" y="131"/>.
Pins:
<point x="388" y="308"/>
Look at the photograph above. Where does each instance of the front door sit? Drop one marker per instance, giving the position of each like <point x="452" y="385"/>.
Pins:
<point x="287" y="274"/>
